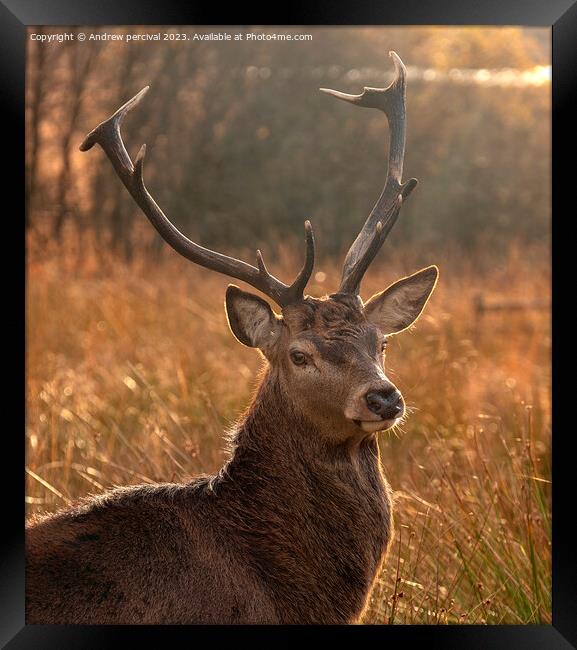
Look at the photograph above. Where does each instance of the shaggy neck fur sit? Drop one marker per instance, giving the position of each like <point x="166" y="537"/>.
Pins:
<point x="313" y="518"/>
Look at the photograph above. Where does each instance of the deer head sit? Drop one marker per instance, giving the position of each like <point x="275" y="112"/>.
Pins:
<point x="326" y="353"/>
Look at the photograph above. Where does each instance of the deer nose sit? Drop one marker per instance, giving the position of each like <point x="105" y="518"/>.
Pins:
<point x="388" y="402"/>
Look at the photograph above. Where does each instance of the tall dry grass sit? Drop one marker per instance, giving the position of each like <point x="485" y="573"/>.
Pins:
<point x="132" y="375"/>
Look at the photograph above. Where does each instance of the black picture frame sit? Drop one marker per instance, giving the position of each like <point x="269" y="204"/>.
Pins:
<point x="15" y="16"/>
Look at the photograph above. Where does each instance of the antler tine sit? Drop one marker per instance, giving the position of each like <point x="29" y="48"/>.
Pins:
<point x="352" y="282"/>
<point x="296" y="290"/>
<point x="108" y="136"/>
<point x="391" y="101"/>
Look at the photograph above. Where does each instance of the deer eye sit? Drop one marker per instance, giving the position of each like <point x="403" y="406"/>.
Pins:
<point x="384" y="345"/>
<point x="298" y="358"/>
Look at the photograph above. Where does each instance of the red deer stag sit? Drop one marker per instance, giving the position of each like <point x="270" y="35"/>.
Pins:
<point x="295" y="526"/>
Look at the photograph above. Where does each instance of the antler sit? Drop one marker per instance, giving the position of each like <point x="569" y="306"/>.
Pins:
<point x="383" y="216"/>
<point x="107" y="135"/>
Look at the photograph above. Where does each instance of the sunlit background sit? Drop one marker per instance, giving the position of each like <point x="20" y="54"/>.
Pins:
<point x="132" y="373"/>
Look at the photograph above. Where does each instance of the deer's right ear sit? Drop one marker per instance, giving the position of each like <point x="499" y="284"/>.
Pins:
<point x="251" y="319"/>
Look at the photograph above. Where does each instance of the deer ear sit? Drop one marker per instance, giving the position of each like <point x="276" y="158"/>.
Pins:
<point x="399" y="306"/>
<point x="251" y="319"/>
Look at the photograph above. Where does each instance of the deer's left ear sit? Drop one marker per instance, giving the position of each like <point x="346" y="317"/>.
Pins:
<point x="399" y="306"/>
<point x="251" y="319"/>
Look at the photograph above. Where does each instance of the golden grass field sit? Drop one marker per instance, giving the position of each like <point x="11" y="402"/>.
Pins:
<point x="132" y="376"/>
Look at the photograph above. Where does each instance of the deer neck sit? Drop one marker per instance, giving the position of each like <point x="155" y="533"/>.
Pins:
<point x="274" y="433"/>
<point x="304" y="511"/>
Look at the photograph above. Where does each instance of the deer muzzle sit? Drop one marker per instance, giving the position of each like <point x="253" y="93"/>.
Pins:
<point x="376" y="408"/>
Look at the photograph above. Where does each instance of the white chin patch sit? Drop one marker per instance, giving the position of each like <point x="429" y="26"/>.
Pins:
<point x="372" y="426"/>
<point x="380" y="425"/>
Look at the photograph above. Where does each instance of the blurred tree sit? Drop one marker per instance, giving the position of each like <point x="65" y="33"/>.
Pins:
<point x="80" y="62"/>
<point x="243" y="148"/>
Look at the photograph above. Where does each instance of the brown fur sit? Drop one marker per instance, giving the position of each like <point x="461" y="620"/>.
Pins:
<point x="293" y="529"/>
